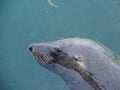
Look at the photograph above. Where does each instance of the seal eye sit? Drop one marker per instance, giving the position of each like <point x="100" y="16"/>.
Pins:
<point x="57" y="50"/>
<point x="55" y="53"/>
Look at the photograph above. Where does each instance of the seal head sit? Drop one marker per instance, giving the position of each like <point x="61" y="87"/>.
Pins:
<point x="82" y="63"/>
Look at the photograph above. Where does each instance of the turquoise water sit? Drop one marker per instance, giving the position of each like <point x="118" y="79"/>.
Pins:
<point x="27" y="21"/>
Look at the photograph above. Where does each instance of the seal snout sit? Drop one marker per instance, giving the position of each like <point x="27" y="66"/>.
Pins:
<point x="30" y="48"/>
<point x="41" y="48"/>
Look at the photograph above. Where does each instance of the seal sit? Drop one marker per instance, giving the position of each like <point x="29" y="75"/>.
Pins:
<point x="82" y="63"/>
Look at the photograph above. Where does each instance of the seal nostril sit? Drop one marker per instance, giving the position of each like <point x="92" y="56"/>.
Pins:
<point x="30" y="48"/>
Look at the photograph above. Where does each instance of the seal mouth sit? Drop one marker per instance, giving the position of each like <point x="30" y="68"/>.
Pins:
<point x="41" y="57"/>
